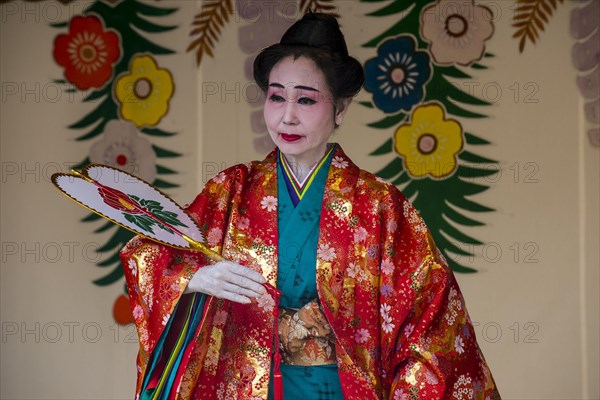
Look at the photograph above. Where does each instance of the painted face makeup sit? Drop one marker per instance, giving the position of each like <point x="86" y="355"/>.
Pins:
<point x="299" y="111"/>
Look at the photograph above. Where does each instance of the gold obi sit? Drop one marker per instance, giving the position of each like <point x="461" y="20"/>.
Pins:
<point x="305" y="336"/>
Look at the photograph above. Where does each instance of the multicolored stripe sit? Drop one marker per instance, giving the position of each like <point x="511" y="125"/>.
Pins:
<point x="169" y="351"/>
<point x="298" y="189"/>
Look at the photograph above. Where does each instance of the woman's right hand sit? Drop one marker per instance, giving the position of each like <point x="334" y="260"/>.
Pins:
<point x="227" y="280"/>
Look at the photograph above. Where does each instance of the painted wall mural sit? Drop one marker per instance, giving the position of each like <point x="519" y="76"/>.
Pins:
<point x="411" y="78"/>
<point x="106" y="55"/>
<point x="585" y="29"/>
<point x="530" y="19"/>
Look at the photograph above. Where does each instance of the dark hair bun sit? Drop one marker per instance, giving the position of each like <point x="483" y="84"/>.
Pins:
<point x="317" y="37"/>
<point x="318" y="30"/>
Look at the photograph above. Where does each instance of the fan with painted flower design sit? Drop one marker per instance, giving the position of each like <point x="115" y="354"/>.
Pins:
<point x="134" y="204"/>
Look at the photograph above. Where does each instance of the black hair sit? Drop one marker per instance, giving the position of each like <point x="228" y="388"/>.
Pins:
<point x="317" y="37"/>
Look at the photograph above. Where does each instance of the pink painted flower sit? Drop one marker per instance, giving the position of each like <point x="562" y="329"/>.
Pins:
<point x="456" y="31"/>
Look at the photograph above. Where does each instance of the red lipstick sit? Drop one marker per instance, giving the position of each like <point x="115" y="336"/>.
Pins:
<point x="290" y="138"/>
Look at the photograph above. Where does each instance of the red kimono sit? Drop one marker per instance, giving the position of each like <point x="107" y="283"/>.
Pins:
<point x="402" y="329"/>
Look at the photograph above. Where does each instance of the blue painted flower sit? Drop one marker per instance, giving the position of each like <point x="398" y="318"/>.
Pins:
<point x="397" y="76"/>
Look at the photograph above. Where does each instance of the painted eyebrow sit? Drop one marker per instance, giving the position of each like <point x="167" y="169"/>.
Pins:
<point x="280" y="86"/>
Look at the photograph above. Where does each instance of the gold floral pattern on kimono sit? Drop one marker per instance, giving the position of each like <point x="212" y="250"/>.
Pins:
<point x="398" y="317"/>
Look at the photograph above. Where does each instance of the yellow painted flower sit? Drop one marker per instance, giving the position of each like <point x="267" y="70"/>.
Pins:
<point x="144" y="92"/>
<point x="430" y="143"/>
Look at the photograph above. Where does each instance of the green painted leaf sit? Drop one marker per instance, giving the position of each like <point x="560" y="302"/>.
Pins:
<point x="170" y="218"/>
<point x="159" y="183"/>
<point x="157" y="132"/>
<point x="460" y="219"/>
<point x="110" y="261"/>
<point x="469" y="205"/>
<point x="151" y="11"/>
<point x="451" y="247"/>
<point x="164" y="170"/>
<point x="102" y="112"/>
<point x="116" y="240"/>
<point x="112" y="277"/>
<point x="475" y="140"/>
<point x="460" y="268"/>
<point x="469" y="172"/>
<point x="164" y="153"/>
<point x="140" y="222"/>
<point x="411" y="189"/>
<point x="478" y="66"/>
<point x="474" y="158"/>
<point x="392" y="169"/>
<point x="466" y="188"/>
<point x="97" y="94"/>
<point x="461" y="112"/>
<point x="104" y="227"/>
<point x="148" y="26"/>
<point x="98" y="129"/>
<point x="383" y="149"/>
<point x="388" y="121"/>
<point x="402" y="179"/>
<point x="394" y="7"/>
<point x="458" y="235"/>
<point x="367" y="104"/>
<point x="82" y="164"/>
<point x="452" y="72"/>
<point x="91" y="217"/>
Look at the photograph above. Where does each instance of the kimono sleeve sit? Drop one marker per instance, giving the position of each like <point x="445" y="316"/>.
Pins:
<point x="157" y="275"/>
<point x="428" y="341"/>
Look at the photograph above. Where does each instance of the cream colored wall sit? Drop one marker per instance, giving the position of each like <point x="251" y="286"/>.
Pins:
<point x="537" y="323"/>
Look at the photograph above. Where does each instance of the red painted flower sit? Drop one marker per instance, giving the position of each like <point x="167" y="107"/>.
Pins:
<point x="88" y="52"/>
<point x="119" y="200"/>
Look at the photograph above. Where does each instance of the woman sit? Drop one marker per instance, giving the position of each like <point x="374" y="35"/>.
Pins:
<point x="368" y="308"/>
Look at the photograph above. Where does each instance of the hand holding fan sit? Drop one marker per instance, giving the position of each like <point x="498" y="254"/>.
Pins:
<point x="133" y="204"/>
<point x="136" y="205"/>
